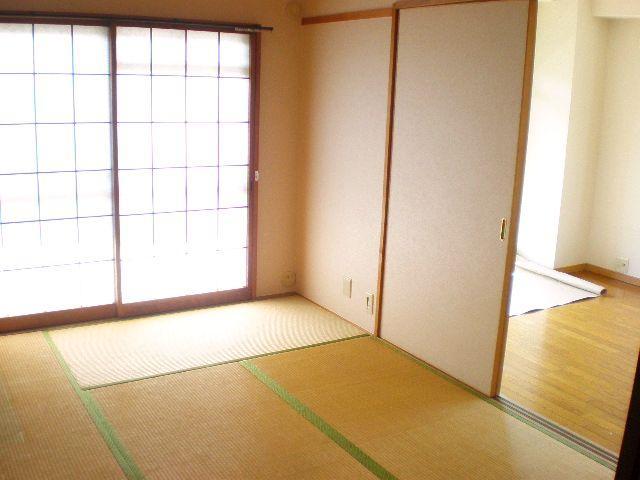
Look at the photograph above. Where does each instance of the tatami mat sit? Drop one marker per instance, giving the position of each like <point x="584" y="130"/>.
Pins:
<point x="415" y="423"/>
<point x="51" y="435"/>
<point x="219" y="423"/>
<point x="113" y="352"/>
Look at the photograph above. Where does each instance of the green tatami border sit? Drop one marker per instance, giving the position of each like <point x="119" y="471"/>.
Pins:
<point x="318" y="422"/>
<point x="117" y="448"/>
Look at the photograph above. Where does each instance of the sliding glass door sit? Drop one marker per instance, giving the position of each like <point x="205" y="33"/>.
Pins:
<point x="183" y="154"/>
<point x="55" y="169"/>
<point x="164" y="214"/>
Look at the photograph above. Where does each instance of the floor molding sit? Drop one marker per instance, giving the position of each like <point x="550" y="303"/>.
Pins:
<point x="581" y="267"/>
<point x="605" y="455"/>
<point x="273" y="295"/>
<point x="605" y="272"/>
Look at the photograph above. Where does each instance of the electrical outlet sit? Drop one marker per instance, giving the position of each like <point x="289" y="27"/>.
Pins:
<point x="621" y="264"/>
<point x="288" y="279"/>
<point x="369" y="303"/>
<point x="346" y="286"/>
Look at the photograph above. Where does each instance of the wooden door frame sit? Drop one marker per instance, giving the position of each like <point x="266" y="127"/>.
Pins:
<point x="118" y="309"/>
<point x="518" y="176"/>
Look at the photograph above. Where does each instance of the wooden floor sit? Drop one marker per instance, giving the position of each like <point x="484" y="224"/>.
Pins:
<point x="575" y="364"/>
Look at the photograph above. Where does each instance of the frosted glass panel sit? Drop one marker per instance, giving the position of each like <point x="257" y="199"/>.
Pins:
<point x="136" y="236"/>
<point x="54" y="98"/>
<point x="19" y="198"/>
<point x="16" y="98"/>
<point x="202" y="53"/>
<point x="18" y="147"/>
<point x="52" y="53"/>
<point x="93" y="146"/>
<point x="59" y="241"/>
<point x="234" y="143"/>
<point x="170" y="233"/>
<point x="201" y="277"/>
<point x="232" y="269"/>
<point x="94" y="193"/>
<point x="202" y="99"/>
<point x="133" y="47"/>
<point x="202" y="189"/>
<point x="202" y="231"/>
<point x="233" y="228"/>
<point x="134" y="146"/>
<point x="19" y="236"/>
<point x="168" y="51"/>
<point x="134" y="99"/>
<point x="169" y="190"/>
<point x="169" y="161"/>
<point x="233" y="187"/>
<point x="57" y="195"/>
<point x="21" y="246"/>
<point x="148" y="279"/>
<point x="96" y="238"/>
<point x="234" y="55"/>
<point x="95" y="282"/>
<point x="55" y="148"/>
<point x="90" y="49"/>
<point x="93" y="102"/>
<point x="16" y="48"/>
<point x="234" y="100"/>
<point x="42" y="130"/>
<point x="169" y="145"/>
<point x="202" y="144"/>
<point x="168" y="99"/>
<point x="135" y="191"/>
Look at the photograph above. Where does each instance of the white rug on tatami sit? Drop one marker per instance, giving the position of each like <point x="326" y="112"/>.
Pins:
<point x="536" y="287"/>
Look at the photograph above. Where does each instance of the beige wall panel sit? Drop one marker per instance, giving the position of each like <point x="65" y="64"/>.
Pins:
<point x="457" y="112"/>
<point x="278" y="106"/>
<point x="340" y="187"/>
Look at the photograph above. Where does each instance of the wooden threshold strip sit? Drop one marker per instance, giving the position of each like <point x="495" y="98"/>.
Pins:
<point x="344" y="17"/>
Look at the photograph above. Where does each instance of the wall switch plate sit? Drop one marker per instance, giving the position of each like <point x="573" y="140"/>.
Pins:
<point x="346" y="287"/>
<point x="622" y="264"/>
<point x="369" y="303"/>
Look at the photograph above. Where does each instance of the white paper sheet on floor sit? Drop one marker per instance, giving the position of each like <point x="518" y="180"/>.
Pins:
<point x="536" y="287"/>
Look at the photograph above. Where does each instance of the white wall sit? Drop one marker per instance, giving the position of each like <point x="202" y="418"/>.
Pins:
<point x="615" y="228"/>
<point x="342" y="162"/>
<point x="548" y="130"/>
<point x="583" y="138"/>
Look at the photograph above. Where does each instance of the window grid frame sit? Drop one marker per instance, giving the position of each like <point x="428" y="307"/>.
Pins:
<point x="186" y="167"/>
<point x="253" y="32"/>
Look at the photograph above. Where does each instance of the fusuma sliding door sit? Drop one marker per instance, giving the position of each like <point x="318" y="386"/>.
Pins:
<point x="460" y="110"/>
<point x="55" y="168"/>
<point x="183" y="154"/>
<point x="125" y="168"/>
